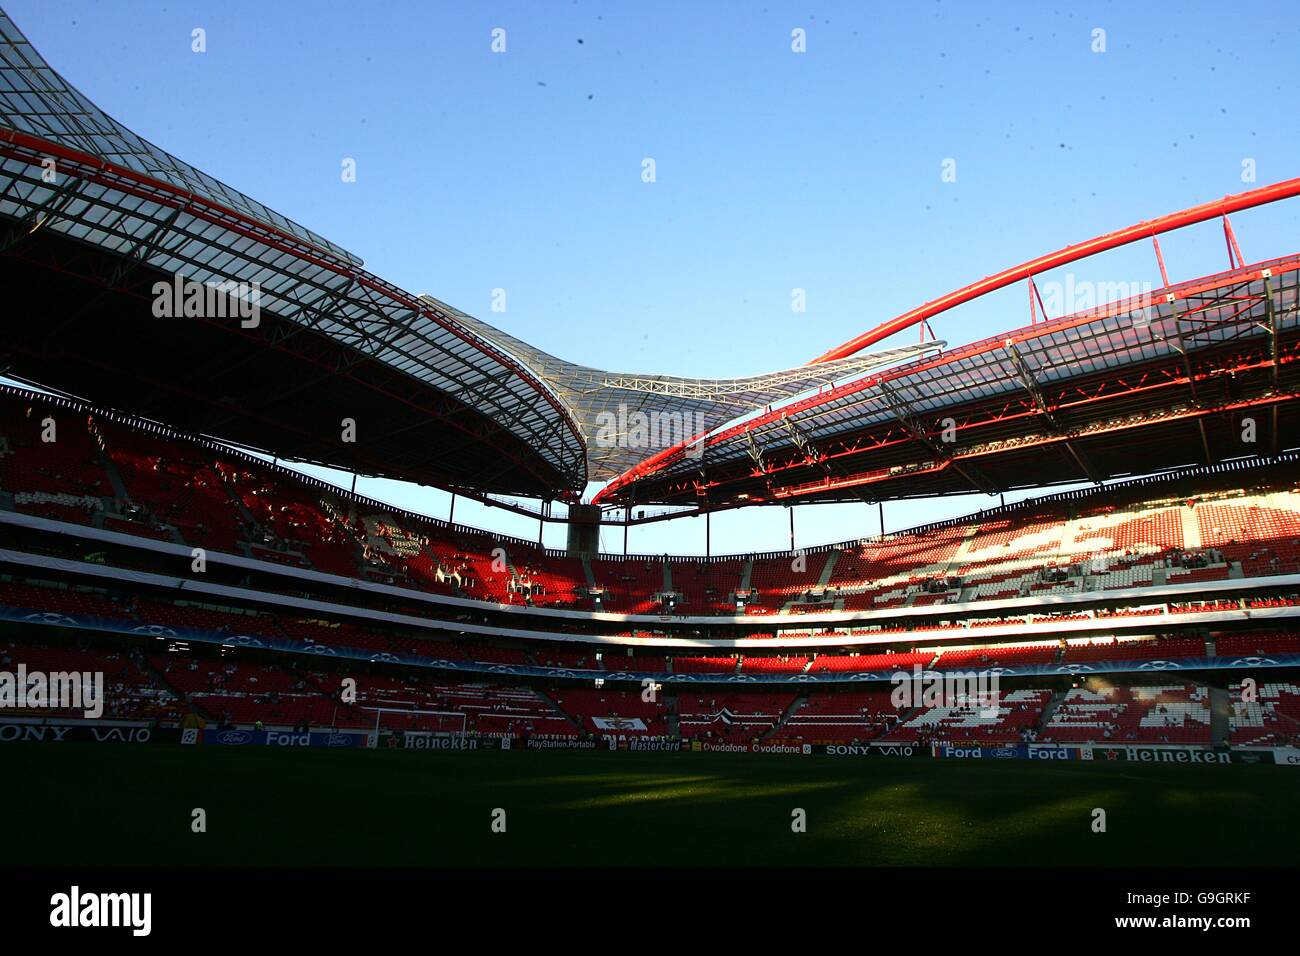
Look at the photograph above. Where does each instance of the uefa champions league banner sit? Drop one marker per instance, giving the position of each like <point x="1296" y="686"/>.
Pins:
<point x="425" y="740"/>
<point x="117" y="732"/>
<point x="430" y="740"/>
<point x="233" y="737"/>
<point x="295" y="646"/>
<point x="950" y="751"/>
<point x="1199" y="756"/>
<point x="1006" y="752"/>
<point x="728" y="747"/>
<point x="1286" y="756"/>
<point x="977" y="752"/>
<point x="1126" y="753"/>
<point x="645" y="746"/>
<point x="141" y="732"/>
<point x="870" y="750"/>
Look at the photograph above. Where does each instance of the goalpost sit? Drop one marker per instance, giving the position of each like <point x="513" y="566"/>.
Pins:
<point x="454" y="714"/>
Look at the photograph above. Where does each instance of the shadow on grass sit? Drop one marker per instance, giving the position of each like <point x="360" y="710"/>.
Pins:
<point x="122" y="805"/>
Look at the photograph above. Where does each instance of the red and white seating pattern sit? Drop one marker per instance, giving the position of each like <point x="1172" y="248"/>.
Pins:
<point x="730" y="717"/>
<point x="130" y="692"/>
<point x="1174" y="714"/>
<point x="1256" y="645"/>
<point x="986" y="718"/>
<point x="1132" y="649"/>
<point x="1270" y="719"/>
<point x="622" y="712"/>
<point x="829" y="717"/>
<point x="996" y="656"/>
<point x="215" y="500"/>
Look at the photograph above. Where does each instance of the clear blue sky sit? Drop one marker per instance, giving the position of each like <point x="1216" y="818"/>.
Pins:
<point x="775" y="170"/>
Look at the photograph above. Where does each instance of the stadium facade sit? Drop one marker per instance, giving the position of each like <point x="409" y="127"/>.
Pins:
<point x="233" y="591"/>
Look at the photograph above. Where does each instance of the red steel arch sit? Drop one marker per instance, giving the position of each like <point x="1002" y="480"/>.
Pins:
<point x="1177" y="220"/>
<point x="1220" y="207"/>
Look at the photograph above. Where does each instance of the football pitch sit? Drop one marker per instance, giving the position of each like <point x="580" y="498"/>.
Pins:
<point x="94" y="804"/>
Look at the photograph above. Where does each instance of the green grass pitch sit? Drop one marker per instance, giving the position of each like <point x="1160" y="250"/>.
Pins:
<point x="93" y="804"/>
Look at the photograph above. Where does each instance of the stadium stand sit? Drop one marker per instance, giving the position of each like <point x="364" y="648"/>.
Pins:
<point x="731" y="718"/>
<point x="1132" y="649"/>
<point x="1238" y="645"/>
<point x="1008" y="718"/>
<point x="131" y="690"/>
<point x="829" y="717"/>
<point x="613" y="712"/>
<point x="1172" y="713"/>
<point x="149" y="483"/>
<point x="1270" y="719"/>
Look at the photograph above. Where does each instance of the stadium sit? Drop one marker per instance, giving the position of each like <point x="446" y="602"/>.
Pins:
<point x="1129" y="618"/>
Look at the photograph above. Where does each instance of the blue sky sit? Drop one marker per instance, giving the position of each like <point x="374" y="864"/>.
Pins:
<point x="775" y="170"/>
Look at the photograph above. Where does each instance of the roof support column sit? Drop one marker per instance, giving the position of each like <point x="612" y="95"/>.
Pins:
<point x="906" y="417"/>
<point x="1160" y="260"/>
<point x="1272" y="334"/>
<point x="1272" y="321"/>
<point x="1230" y="238"/>
<point x="1031" y="386"/>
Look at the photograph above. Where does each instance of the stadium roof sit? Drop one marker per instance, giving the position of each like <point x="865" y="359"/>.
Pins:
<point x="1153" y="382"/>
<point x="92" y="218"/>
<point x="603" y="402"/>
<point x="450" y="400"/>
